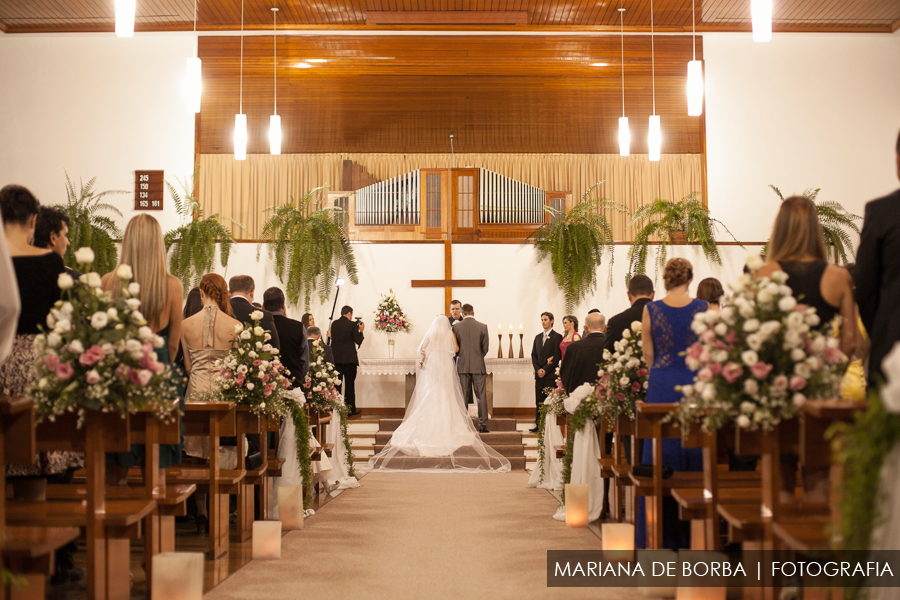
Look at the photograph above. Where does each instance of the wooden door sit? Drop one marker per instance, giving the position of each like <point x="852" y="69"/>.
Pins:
<point x="465" y="204"/>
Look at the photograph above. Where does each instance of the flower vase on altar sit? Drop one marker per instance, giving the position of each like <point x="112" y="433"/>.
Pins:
<point x="390" y="319"/>
<point x="391" y="342"/>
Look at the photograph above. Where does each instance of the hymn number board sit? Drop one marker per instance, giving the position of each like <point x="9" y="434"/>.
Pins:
<point x="148" y="190"/>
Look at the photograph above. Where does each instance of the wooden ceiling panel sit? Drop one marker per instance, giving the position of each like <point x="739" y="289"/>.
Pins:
<point x="589" y="15"/>
<point x="401" y="94"/>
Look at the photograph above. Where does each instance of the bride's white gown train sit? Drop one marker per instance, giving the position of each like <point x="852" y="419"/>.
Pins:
<point x="437" y="433"/>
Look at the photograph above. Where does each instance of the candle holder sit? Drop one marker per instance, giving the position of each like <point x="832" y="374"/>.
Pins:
<point x="500" y="346"/>
<point x="511" y="355"/>
<point x="521" y="348"/>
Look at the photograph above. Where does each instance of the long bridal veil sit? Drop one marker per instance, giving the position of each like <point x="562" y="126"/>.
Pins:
<point x="437" y="434"/>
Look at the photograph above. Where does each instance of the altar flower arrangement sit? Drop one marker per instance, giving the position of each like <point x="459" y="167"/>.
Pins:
<point x="389" y="316"/>
<point x="252" y="374"/>
<point x="97" y="352"/>
<point x="624" y="379"/>
<point x="320" y="389"/>
<point x="760" y="362"/>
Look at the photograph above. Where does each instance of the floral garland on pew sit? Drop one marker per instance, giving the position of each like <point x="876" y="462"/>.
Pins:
<point x="588" y="409"/>
<point x="321" y="394"/>
<point x="97" y="352"/>
<point x="624" y="380"/>
<point x="760" y="361"/>
<point x="554" y="405"/>
<point x="301" y="431"/>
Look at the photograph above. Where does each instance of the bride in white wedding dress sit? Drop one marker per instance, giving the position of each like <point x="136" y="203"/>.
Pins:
<point x="437" y="433"/>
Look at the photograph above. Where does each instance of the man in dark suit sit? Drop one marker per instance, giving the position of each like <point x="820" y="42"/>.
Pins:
<point x="584" y="356"/>
<point x="640" y="292"/>
<point x="473" y="342"/>
<point x="291" y="334"/>
<point x="346" y="335"/>
<point x="314" y="334"/>
<point x="878" y="276"/>
<point x="242" y="289"/>
<point x="455" y="312"/>
<point x="544" y="358"/>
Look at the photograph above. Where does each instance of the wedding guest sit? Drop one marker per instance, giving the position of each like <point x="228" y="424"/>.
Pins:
<point x="52" y="232"/>
<point x="256" y="305"/>
<point x="35" y="287"/>
<point x="242" y="289"/>
<point x="545" y="355"/>
<point x="9" y="298"/>
<point x="878" y="276"/>
<point x="144" y="250"/>
<point x="192" y="306"/>
<point x="206" y="336"/>
<point x="666" y="333"/>
<point x="291" y="333"/>
<point x="584" y="331"/>
<point x="570" y="334"/>
<point x="455" y="312"/>
<point x="314" y="334"/>
<point x="710" y="289"/>
<point x="346" y="336"/>
<point x="584" y="355"/>
<point x="308" y="320"/>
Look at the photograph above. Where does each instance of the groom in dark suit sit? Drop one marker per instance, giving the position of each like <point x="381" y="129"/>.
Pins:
<point x="545" y="355"/>
<point x="472" y="338"/>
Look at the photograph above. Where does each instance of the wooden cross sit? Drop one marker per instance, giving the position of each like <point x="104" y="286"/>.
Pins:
<point x="448" y="283"/>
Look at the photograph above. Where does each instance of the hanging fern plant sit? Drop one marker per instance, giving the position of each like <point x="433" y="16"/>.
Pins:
<point x="576" y="243"/>
<point x="835" y="220"/>
<point x="89" y="228"/>
<point x="309" y="246"/>
<point x="192" y="247"/>
<point x="683" y="221"/>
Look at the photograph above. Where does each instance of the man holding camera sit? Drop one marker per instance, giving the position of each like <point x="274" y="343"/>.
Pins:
<point x="346" y="336"/>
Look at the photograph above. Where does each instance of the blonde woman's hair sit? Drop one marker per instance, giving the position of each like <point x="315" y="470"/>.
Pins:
<point x="144" y="250"/>
<point x="797" y="231"/>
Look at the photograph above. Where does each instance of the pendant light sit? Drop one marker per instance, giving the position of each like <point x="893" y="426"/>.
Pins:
<point x="275" y="120"/>
<point x="240" y="119"/>
<point x="624" y="134"/>
<point x="694" y="75"/>
<point x="654" y="135"/>
<point x="193" y="84"/>
<point x="761" y="17"/>
<point x="125" y="10"/>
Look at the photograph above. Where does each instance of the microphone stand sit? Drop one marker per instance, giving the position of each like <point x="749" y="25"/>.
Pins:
<point x="331" y="317"/>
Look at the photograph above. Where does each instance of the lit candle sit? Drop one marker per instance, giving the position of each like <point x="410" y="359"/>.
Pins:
<point x="266" y="539"/>
<point x="177" y="576"/>
<point x="521" y="331"/>
<point x="510" y="330"/>
<point x="290" y="506"/>
<point x="499" y="329"/>
<point x="577" y="505"/>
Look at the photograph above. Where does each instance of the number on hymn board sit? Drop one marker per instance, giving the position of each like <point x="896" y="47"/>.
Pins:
<point x="143" y="204"/>
<point x="145" y="178"/>
<point x="148" y="190"/>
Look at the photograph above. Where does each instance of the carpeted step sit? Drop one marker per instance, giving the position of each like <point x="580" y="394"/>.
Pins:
<point x="496" y="424"/>
<point x="494" y="438"/>
<point x="418" y="462"/>
<point x="507" y="451"/>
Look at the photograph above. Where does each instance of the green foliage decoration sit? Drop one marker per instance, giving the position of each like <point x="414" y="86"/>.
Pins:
<point x="192" y="246"/>
<point x="301" y="425"/>
<point x="575" y="243"/>
<point x="89" y="228"/>
<point x="661" y="219"/>
<point x="309" y="246"/>
<point x="835" y="220"/>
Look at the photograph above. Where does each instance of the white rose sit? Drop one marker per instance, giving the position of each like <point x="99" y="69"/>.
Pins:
<point x="747" y="407"/>
<point x="764" y="297"/>
<point x="746" y="311"/>
<point x="246" y="335"/>
<point x="134" y="345"/>
<point x="636" y="326"/>
<point x="133" y="303"/>
<point x="40" y="343"/>
<point x="750" y="386"/>
<point x="787" y="304"/>
<point x="721" y="329"/>
<point x="833" y="343"/>
<point x="698" y="326"/>
<point x="319" y="361"/>
<point x="238" y="327"/>
<point x="124" y="272"/>
<point x="797" y="355"/>
<point x="626" y="334"/>
<point x="687" y="390"/>
<point x="814" y="363"/>
<point x="751" y="325"/>
<point x="720" y="356"/>
<point x="709" y="393"/>
<point x="252" y="354"/>
<point x="798" y="400"/>
<point x="54" y="340"/>
<point x="268" y="337"/>
<point x="113" y="314"/>
<point x="76" y="346"/>
<point x="65" y="281"/>
<point x="794" y="319"/>
<point x="259" y="345"/>
<point x="633" y="363"/>
<point x="262" y="406"/>
<point x="99" y="320"/>
<point x="93" y="280"/>
<point x="256" y="315"/>
<point x="624" y="381"/>
<point x="813" y="320"/>
<point x="134" y="288"/>
<point x="84" y="256"/>
<point x="754" y="341"/>
<point x="107" y="348"/>
<point x="267" y="348"/>
<point x="819" y="344"/>
<point x="727" y="315"/>
<point x="63" y="325"/>
<point x="66" y="309"/>
<point x="802" y="370"/>
<point x="145" y="333"/>
<point x="749" y="358"/>
<point x="43" y="382"/>
<point x="258" y="331"/>
<point x="754" y="262"/>
<point x="250" y="387"/>
<point x="770" y="327"/>
<point x="743" y="421"/>
<point x="137" y="318"/>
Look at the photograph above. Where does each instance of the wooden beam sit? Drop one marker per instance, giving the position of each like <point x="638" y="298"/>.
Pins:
<point x="448" y="283"/>
<point x="446" y="17"/>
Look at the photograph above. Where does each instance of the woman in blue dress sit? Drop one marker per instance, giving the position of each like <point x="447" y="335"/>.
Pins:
<point x="666" y="335"/>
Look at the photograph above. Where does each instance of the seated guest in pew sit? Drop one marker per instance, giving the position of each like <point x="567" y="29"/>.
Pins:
<point x="36" y="273"/>
<point x="710" y="289"/>
<point x="52" y="232"/>
<point x="798" y="249"/>
<point x="206" y="338"/>
<point x="291" y="333"/>
<point x="314" y="334"/>
<point x="666" y="333"/>
<point x="144" y="250"/>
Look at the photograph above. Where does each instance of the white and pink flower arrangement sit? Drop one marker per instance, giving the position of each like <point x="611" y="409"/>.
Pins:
<point x="623" y="379"/>
<point x="252" y="374"/>
<point x="97" y="352"/>
<point x="389" y="316"/>
<point x="320" y="384"/>
<point x="761" y="360"/>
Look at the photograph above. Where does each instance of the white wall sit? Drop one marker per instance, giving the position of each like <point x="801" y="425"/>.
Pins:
<point x="94" y="105"/>
<point x="801" y="111"/>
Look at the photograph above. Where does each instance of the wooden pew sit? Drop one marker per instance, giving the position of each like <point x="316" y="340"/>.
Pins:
<point x="249" y="423"/>
<point x="622" y="498"/>
<point x="215" y="420"/>
<point x="320" y="421"/>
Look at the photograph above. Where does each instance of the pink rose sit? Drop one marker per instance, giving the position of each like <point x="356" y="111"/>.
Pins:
<point x="720" y="345"/>
<point x="158" y="368"/>
<point x="620" y="397"/>
<point x="285" y="383"/>
<point x="732" y="372"/>
<point x="52" y="362"/>
<point x="694" y="350"/>
<point x="133" y="377"/>
<point x="64" y="371"/>
<point x="265" y="377"/>
<point x="257" y="362"/>
<point x="797" y="383"/>
<point x="780" y="382"/>
<point x="731" y="337"/>
<point x="636" y="386"/>
<point x="144" y="376"/>
<point x="833" y="355"/>
<point x="716" y="368"/>
<point x="705" y="356"/>
<point x="708" y="336"/>
<point x="92" y="377"/>
<point x="600" y="391"/>
<point x="761" y="370"/>
<point x="642" y="372"/>
<point x="147" y="361"/>
<point x="604" y="379"/>
<point x="705" y="374"/>
<point x="148" y="348"/>
<point x="226" y="374"/>
<point x="122" y="371"/>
